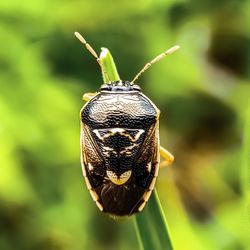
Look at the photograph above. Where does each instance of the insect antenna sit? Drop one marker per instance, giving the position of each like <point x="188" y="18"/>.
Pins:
<point x="156" y="59"/>
<point x="92" y="51"/>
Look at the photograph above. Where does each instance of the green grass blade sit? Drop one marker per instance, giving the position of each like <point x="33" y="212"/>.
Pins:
<point x="108" y="64"/>
<point x="151" y="226"/>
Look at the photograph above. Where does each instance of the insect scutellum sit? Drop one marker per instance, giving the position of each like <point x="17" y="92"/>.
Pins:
<point x="146" y="66"/>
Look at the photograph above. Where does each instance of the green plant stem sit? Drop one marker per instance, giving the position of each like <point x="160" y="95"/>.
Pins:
<point x="108" y="65"/>
<point x="150" y="224"/>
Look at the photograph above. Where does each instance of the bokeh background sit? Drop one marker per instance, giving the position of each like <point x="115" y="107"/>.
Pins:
<point x="202" y="91"/>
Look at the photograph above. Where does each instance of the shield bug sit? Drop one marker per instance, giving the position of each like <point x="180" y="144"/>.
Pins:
<point x="120" y="150"/>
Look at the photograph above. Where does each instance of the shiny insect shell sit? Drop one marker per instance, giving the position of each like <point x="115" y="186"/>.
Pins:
<point x="120" y="148"/>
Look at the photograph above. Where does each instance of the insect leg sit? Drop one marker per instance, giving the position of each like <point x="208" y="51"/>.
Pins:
<point x="168" y="157"/>
<point x="88" y="96"/>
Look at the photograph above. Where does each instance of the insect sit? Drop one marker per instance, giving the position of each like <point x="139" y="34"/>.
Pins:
<point x="120" y="149"/>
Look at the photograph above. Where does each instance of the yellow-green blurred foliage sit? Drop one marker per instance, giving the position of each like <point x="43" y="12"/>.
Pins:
<point x="202" y="91"/>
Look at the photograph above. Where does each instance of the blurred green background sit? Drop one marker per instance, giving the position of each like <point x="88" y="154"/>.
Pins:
<point x="202" y="91"/>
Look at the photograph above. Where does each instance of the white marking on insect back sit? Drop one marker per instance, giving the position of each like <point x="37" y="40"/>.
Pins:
<point x="90" y="167"/>
<point x="83" y="165"/>
<point x="119" y="180"/>
<point x="151" y="187"/>
<point x="145" y="198"/>
<point x="108" y="150"/>
<point x="109" y="132"/>
<point x="157" y="169"/>
<point x="147" y="195"/>
<point x="94" y="195"/>
<point x="88" y="183"/>
<point x="83" y="170"/>
<point x="98" y="204"/>
<point x="127" y="150"/>
<point x="158" y="158"/>
<point x="149" y="167"/>
<point x="115" y="130"/>
<point x="141" y="206"/>
<point x="97" y="134"/>
<point x="83" y="157"/>
<point x="137" y="136"/>
<point x="121" y="131"/>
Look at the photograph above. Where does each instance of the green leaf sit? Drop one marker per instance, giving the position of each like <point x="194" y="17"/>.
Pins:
<point x="151" y="226"/>
<point x="109" y="71"/>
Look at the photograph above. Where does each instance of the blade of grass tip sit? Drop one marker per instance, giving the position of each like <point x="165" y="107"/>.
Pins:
<point x="151" y="226"/>
<point x="108" y="64"/>
<point x="245" y="172"/>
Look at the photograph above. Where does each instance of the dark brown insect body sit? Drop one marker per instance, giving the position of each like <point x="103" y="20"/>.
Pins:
<point x="120" y="148"/>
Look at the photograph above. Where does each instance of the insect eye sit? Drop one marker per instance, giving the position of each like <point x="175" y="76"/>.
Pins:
<point x="136" y="87"/>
